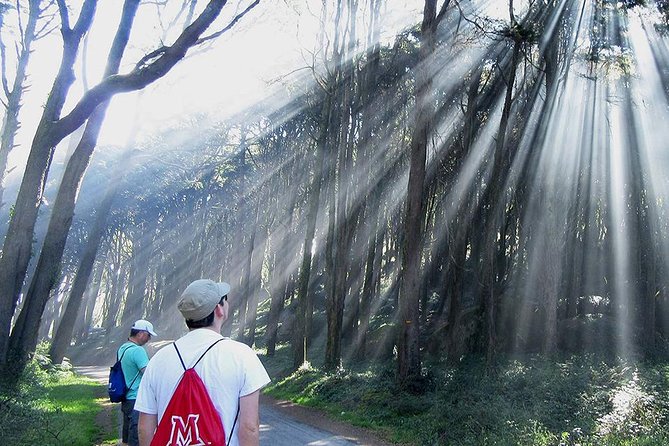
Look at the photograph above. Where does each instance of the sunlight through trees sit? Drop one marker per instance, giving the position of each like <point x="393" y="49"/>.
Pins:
<point x="434" y="179"/>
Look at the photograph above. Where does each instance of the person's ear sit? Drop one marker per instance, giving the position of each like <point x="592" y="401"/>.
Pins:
<point x="224" y="310"/>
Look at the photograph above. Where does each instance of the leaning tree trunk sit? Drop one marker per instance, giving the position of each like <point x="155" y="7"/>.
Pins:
<point x="408" y="344"/>
<point x="17" y="247"/>
<point x="300" y="330"/>
<point x="493" y="196"/>
<point x="63" y="334"/>
<point x="52" y="129"/>
<point x="23" y="339"/>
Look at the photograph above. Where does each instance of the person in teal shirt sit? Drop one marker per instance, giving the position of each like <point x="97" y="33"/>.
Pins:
<point x="133" y="362"/>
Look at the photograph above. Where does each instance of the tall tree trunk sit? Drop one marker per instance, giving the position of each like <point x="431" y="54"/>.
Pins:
<point x="257" y="256"/>
<point x="300" y="331"/>
<point x="408" y="344"/>
<point x="52" y="129"/>
<point x="22" y="340"/>
<point x="493" y="197"/>
<point x="64" y="333"/>
<point x="282" y="281"/>
<point x="85" y="319"/>
<point x="342" y="218"/>
<point x="18" y="241"/>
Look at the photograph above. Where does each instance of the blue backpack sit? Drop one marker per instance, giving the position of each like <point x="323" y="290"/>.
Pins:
<point x="117" y="388"/>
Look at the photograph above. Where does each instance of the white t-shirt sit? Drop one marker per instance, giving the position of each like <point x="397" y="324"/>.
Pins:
<point x="229" y="371"/>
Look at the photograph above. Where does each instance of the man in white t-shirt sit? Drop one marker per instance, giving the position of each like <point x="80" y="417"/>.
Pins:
<point x="231" y="371"/>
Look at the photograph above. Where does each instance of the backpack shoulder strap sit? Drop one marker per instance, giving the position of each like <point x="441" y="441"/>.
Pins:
<point x="179" y="355"/>
<point x="119" y="359"/>
<point x="132" y="346"/>
<point x="205" y="352"/>
<point x="233" y="425"/>
<point x="198" y="360"/>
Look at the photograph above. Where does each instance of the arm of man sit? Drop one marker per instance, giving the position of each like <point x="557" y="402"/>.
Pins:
<point x="249" y="422"/>
<point x="146" y="428"/>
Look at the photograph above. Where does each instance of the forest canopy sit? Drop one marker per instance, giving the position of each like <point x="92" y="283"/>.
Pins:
<point x="480" y="180"/>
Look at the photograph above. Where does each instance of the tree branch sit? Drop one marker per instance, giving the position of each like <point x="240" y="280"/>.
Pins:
<point x="3" y="61"/>
<point x="83" y="22"/>
<point x="442" y="11"/>
<point x="237" y="18"/>
<point x="142" y="75"/>
<point x="470" y="21"/>
<point x="64" y="15"/>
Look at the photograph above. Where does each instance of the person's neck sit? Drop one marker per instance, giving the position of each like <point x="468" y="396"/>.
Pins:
<point x="216" y="329"/>
<point x="134" y="341"/>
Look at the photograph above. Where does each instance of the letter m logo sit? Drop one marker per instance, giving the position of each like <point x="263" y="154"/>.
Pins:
<point x="185" y="433"/>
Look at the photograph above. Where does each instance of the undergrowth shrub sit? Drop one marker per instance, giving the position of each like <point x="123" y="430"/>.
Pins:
<point x="579" y="400"/>
<point x="24" y="418"/>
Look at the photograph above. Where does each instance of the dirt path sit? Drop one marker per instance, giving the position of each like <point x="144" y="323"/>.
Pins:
<point x="281" y="423"/>
<point x="108" y="419"/>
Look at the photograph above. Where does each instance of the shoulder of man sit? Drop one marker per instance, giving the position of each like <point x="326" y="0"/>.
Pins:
<point x="136" y="354"/>
<point x="232" y="344"/>
<point x="123" y="347"/>
<point x="241" y="352"/>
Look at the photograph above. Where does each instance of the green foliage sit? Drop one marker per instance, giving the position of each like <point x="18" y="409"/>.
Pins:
<point x="50" y="406"/>
<point x="529" y="401"/>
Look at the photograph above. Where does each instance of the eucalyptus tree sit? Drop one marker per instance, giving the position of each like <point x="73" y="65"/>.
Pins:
<point x="369" y="78"/>
<point x="53" y="128"/>
<point x="493" y="202"/>
<point x="287" y="141"/>
<point x="76" y="166"/>
<point x="16" y="249"/>
<point x="50" y="256"/>
<point x="408" y="344"/>
<point x="323" y="145"/>
<point x="66" y="327"/>
<point x="339" y="165"/>
<point x="302" y="327"/>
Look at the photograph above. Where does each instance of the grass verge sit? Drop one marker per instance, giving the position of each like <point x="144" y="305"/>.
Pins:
<point x="580" y="400"/>
<point x="51" y="407"/>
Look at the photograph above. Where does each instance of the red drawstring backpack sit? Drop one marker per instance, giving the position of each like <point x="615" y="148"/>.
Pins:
<point x="190" y="418"/>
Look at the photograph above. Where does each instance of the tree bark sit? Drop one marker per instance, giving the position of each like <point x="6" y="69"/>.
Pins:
<point x="494" y="219"/>
<point x="408" y="344"/>
<point x="300" y="331"/>
<point x="18" y="240"/>
<point x="46" y="273"/>
<point x="52" y="129"/>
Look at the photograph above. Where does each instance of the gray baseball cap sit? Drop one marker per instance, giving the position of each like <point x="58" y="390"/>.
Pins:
<point x="201" y="297"/>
